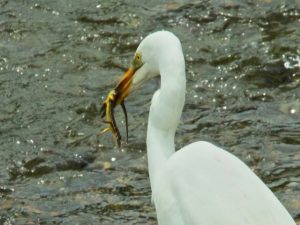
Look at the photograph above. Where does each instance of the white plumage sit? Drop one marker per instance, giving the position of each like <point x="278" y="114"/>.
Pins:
<point x="200" y="184"/>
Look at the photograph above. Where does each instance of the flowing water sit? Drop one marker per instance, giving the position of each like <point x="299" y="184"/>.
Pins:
<point x="59" y="59"/>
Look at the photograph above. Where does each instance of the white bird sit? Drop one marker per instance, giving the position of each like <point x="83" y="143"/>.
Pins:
<point x="200" y="184"/>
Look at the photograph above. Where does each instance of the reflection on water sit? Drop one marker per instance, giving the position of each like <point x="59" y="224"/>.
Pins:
<point x="58" y="59"/>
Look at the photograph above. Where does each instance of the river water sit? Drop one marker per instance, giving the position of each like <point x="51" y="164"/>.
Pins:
<point x="58" y="60"/>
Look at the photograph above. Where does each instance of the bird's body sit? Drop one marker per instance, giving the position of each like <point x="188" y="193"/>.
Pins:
<point x="200" y="184"/>
<point x="213" y="187"/>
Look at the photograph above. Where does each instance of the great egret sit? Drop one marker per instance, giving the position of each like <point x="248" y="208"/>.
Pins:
<point x="201" y="184"/>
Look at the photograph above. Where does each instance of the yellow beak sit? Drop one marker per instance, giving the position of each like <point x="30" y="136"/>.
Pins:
<point x="123" y="87"/>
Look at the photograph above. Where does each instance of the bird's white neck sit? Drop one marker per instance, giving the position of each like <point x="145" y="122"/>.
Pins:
<point x="165" y="112"/>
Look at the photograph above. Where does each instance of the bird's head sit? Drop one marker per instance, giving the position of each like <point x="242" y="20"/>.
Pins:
<point x="152" y="53"/>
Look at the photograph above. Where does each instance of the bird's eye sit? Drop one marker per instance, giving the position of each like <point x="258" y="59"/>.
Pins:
<point x="137" y="61"/>
<point x="138" y="57"/>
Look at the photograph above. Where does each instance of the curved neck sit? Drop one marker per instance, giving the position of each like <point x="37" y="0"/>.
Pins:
<point x="165" y="112"/>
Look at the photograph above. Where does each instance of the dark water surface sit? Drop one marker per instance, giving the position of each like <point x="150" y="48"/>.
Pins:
<point x="58" y="59"/>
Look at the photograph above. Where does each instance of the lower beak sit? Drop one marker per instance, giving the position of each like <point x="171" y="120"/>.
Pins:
<point x="123" y="88"/>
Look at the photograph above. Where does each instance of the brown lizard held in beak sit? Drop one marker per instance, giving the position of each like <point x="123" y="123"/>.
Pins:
<point x="107" y="109"/>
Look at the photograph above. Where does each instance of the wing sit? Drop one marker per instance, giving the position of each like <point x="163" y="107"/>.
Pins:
<point x="210" y="186"/>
